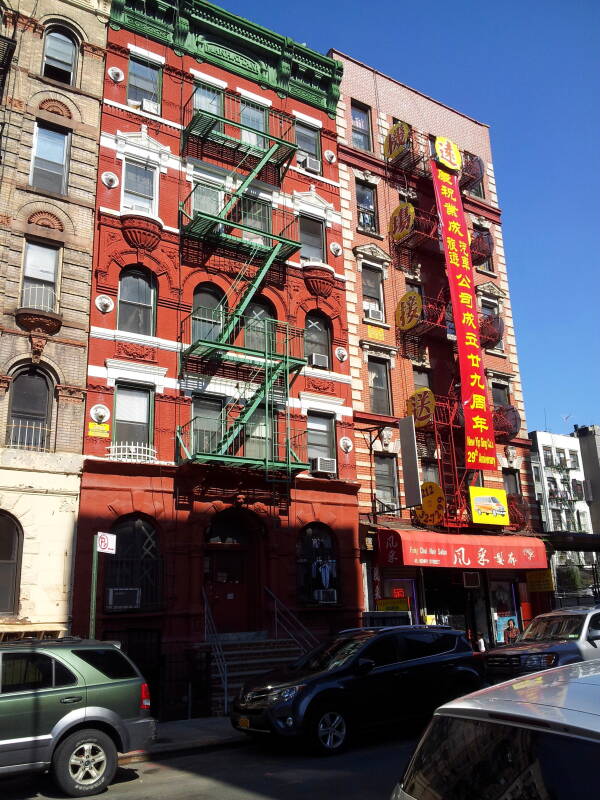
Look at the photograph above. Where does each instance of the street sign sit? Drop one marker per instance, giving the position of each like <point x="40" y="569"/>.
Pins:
<point x="107" y="543"/>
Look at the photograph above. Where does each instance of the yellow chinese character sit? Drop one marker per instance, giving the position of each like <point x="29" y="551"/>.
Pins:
<point x="451" y="243"/>
<point x="454" y="227"/>
<point x="465" y="262"/>
<point x="463" y="280"/>
<point x="469" y="320"/>
<point x="465" y="299"/>
<point x="451" y="210"/>
<point x="445" y="177"/>
<point x="475" y="360"/>
<point x="478" y="401"/>
<point x="447" y="191"/>
<point x="471" y="340"/>
<point x="453" y="259"/>
<point x="479" y="424"/>
<point x="475" y="381"/>
<point x="462" y="246"/>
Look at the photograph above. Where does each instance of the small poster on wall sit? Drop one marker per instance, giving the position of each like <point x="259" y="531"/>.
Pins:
<point x="507" y="630"/>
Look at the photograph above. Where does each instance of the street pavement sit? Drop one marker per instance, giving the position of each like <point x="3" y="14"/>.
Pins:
<point x="252" y="771"/>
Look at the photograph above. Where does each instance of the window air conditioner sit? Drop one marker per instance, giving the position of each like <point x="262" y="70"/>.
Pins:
<point x="374" y="313"/>
<point x="326" y="465"/>
<point x="319" y="360"/>
<point x="325" y="595"/>
<point x="312" y="165"/>
<point x="123" y="599"/>
<point x="471" y="580"/>
<point x="150" y="106"/>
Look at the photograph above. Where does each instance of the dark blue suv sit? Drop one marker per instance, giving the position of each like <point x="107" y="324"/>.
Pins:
<point x="362" y="677"/>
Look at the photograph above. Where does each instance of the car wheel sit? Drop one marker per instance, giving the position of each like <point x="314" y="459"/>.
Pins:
<point x="328" y="729"/>
<point x="84" y="763"/>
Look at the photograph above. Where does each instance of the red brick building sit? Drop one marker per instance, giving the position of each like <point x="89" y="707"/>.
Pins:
<point x="379" y="174"/>
<point x="219" y="430"/>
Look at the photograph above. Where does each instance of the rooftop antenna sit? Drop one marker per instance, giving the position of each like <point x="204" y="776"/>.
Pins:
<point x="545" y="420"/>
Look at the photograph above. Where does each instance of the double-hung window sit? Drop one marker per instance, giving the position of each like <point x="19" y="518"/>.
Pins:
<point x="512" y="484"/>
<point x="573" y="459"/>
<point x="500" y="395"/>
<point x="137" y="300"/>
<point x="259" y="435"/>
<point x="139" y="188"/>
<point x="361" y="126"/>
<point x="133" y="411"/>
<point x="208" y="424"/>
<point x="372" y="286"/>
<point x="489" y="308"/>
<point x="321" y="436"/>
<point x="59" y="57"/>
<point x="255" y="117"/>
<point x="312" y="238"/>
<point x="386" y="483"/>
<point x="366" y="207"/>
<point x="309" y="147"/>
<point x="144" y="84"/>
<point x="51" y="159"/>
<point x="39" y="277"/>
<point x="379" y="386"/>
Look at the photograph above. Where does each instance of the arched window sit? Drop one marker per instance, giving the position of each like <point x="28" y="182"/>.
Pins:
<point x="60" y="56"/>
<point x="317" y="340"/>
<point x="137" y="300"/>
<point x="317" y="565"/>
<point x="11" y="544"/>
<point x="133" y="576"/>
<point x="30" y="410"/>
<point x="259" y="331"/>
<point x="207" y="317"/>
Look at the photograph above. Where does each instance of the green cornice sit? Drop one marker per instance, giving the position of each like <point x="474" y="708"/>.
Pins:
<point x="211" y="34"/>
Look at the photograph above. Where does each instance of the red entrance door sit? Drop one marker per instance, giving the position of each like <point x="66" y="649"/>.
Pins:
<point x="231" y="570"/>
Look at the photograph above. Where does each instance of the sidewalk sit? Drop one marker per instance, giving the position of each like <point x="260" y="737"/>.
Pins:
<point x="204" y="733"/>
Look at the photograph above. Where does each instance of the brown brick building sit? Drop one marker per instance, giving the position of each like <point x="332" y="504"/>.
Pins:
<point x="53" y="63"/>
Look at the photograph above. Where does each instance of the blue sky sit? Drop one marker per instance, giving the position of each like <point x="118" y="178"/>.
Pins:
<point x="531" y="70"/>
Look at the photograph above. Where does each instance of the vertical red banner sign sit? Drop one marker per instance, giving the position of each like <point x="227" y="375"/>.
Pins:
<point x="480" y="446"/>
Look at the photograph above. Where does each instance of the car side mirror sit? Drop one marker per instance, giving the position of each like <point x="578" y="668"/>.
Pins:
<point x="364" y="666"/>
<point x="594" y="637"/>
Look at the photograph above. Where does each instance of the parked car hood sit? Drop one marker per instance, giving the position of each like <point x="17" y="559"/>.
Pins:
<point x="547" y="646"/>
<point x="286" y="676"/>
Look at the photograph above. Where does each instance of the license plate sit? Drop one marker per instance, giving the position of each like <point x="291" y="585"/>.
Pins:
<point x="244" y="722"/>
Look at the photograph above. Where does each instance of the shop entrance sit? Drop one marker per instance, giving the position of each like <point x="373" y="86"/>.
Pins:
<point x="458" y="598"/>
<point x="232" y="565"/>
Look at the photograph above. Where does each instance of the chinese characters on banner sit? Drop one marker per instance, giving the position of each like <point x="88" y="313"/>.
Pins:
<point x="480" y="448"/>
<point x="425" y="549"/>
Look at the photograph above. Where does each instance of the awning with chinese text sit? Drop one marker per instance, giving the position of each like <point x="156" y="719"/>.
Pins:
<point x="426" y="549"/>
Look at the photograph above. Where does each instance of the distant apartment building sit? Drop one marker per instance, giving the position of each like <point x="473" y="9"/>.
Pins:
<point x="589" y="442"/>
<point x="404" y="359"/>
<point x="52" y="60"/>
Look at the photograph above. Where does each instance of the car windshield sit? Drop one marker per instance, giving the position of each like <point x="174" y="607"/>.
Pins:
<point x="334" y="654"/>
<point x="552" y="628"/>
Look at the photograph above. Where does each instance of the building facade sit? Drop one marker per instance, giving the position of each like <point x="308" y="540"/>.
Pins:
<point x="405" y="361"/>
<point x="52" y="61"/>
<point x="219" y="434"/>
<point x="589" y="442"/>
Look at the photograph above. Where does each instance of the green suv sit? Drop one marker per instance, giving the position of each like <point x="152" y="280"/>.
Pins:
<point x="70" y="705"/>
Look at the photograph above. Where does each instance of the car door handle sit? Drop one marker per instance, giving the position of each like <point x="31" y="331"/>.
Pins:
<point x="74" y="699"/>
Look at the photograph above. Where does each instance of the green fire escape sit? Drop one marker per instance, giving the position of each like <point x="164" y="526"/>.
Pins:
<point x="260" y="356"/>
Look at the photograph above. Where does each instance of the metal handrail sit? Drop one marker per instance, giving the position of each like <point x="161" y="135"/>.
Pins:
<point x="134" y="452"/>
<point x="211" y="635"/>
<point x="41" y="298"/>
<point x="28" y="435"/>
<point x="285" y="619"/>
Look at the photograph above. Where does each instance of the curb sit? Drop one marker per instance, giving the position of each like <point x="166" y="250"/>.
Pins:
<point x="183" y="748"/>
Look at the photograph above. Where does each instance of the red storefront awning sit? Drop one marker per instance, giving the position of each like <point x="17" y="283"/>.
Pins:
<point x="426" y="549"/>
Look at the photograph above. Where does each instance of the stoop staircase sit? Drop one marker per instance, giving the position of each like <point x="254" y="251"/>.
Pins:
<point x="240" y="657"/>
<point x="244" y="661"/>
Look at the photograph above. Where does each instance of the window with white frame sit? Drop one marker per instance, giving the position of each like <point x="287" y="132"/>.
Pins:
<point x="253" y="116"/>
<point x="321" y="435"/>
<point x="366" y="207"/>
<point x="361" y="126"/>
<point x="372" y="287"/>
<point x="573" y="459"/>
<point x="139" y="188"/>
<point x="309" y="147"/>
<point x="144" y="84"/>
<point x="40" y="270"/>
<point x="133" y="416"/>
<point x="379" y="386"/>
<point x="312" y="238"/>
<point x="137" y="302"/>
<point x="50" y="164"/>
<point x="60" y="53"/>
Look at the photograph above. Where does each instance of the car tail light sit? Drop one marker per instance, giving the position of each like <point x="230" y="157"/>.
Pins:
<point x="144" y="697"/>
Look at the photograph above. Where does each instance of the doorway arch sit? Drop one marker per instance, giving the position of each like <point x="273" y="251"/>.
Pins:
<point x="233" y="569"/>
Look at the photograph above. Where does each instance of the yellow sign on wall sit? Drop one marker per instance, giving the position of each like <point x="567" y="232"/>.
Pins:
<point x="489" y="506"/>
<point x="373" y="332"/>
<point x="409" y="311"/>
<point x="392" y="604"/>
<point x="447" y="153"/>
<point x="100" y="430"/>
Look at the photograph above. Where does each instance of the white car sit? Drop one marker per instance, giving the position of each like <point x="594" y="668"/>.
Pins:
<point x="532" y="738"/>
